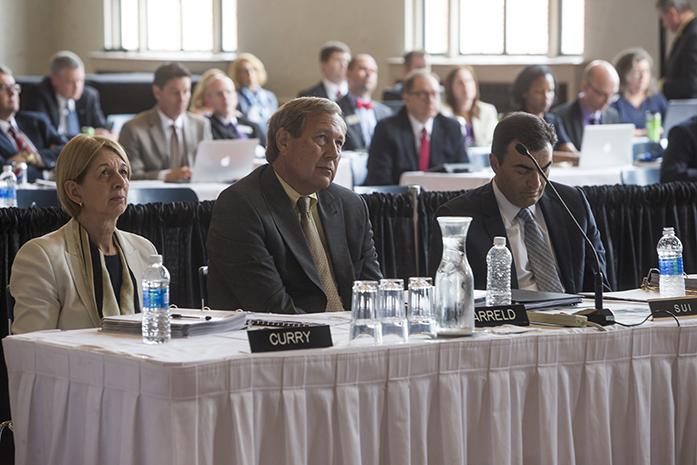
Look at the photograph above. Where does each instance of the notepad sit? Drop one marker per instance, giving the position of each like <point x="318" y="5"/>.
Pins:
<point x="189" y="322"/>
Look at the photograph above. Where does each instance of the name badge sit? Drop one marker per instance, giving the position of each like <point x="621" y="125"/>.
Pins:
<point x="678" y="306"/>
<point x="352" y="119"/>
<point x="500" y="315"/>
<point x="295" y="338"/>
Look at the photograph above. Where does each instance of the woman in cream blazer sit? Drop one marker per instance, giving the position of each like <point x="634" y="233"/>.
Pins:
<point x="87" y="269"/>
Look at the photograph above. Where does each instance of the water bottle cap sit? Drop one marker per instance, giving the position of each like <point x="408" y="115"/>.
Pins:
<point x="668" y="231"/>
<point x="500" y="241"/>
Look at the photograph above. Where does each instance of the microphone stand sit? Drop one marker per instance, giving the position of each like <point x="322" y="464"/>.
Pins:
<point x="599" y="315"/>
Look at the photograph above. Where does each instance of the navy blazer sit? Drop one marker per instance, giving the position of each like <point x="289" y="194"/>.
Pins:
<point x="42" y="134"/>
<point x="251" y="130"/>
<point x="571" y="117"/>
<point x="318" y="90"/>
<point x="680" y="76"/>
<point x="393" y="148"/>
<point x="575" y="260"/>
<point x="88" y="107"/>
<point x="259" y="259"/>
<point x="680" y="156"/>
<point x="354" y="133"/>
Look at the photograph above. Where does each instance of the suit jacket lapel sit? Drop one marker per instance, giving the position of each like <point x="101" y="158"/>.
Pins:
<point x="407" y="135"/>
<point x="493" y="224"/>
<point x="559" y="235"/>
<point x="77" y="269"/>
<point x="287" y="222"/>
<point x="436" y="138"/>
<point x="158" y="140"/>
<point x="7" y="149"/>
<point x="355" y="128"/>
<point x="190" y="139"/>
<point x="332" y="216"/>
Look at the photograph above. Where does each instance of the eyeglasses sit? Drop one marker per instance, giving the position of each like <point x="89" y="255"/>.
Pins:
<point x="600" y="93"/>
<point x="14" y="88"/>
<point x="423" y="95"/>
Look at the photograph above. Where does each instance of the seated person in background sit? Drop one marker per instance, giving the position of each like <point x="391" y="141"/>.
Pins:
<point x="197" y="105"/>
<point x="478" y="119"/>
<point x="549" y="253"/>
<point x="534" y="91"/>
<point x="256" y="103"/>
<point x="25" y="136"/>
<point x="638" y="95"/>
<point x="360" y="112"/>
<point x="417" y="138"/>
<point x="88" y="269"/>
<point x="334" y="58"/>
<point x="66" y="100"/>
<point x="161" y="142"/>
<point x="414" y="59"/>
<point x="598" y="86"/>
<point x="219" y="95"/>
<point x="285" y="239"/>
<point x="680" y="156"/>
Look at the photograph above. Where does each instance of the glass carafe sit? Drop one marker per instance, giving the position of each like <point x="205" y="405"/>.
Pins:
<point x="454" y="307"/>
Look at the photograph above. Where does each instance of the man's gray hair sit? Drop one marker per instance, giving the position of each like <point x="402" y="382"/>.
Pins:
<point x="292" y="116"/>
<point x="680" y="5"/>
<point x="65" y="59"/>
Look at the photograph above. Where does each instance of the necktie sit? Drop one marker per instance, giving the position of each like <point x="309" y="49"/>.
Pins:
<point x="19" y="140"/>
<point x="593" y="120"/>
<point x="24" y="145"/>
<point x="235" y="131"/>
<point x="424" y="150"/>
<point x="365" y="104"/>
<point x="174" y="149"/>
<point x="540" y="255"/>
<point x="72" y="125"/>
<point x="319" y="255"/>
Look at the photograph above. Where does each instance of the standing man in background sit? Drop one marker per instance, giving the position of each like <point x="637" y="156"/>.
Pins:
<point x="334" y="58"/>
<point x="680" y="73"/>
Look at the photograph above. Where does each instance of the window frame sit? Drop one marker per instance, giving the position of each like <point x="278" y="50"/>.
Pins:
<point x="415" y="31"/>
<point x="112" y="29"/>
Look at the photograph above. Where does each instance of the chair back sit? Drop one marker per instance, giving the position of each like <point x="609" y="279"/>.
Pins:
<point x="161" y="195"/>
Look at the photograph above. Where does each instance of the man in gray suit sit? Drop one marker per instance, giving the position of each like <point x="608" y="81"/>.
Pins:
<point x="161" y="142"/>
<point x="361" y="112"/>
<point x="285" y="239"/>
<point x="599" y="85"/>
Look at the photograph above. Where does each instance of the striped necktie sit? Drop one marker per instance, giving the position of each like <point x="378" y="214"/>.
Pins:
<point x="539" y="254"/>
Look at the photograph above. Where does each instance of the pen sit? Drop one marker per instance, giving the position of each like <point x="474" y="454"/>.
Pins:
<point x="176" y="316"/>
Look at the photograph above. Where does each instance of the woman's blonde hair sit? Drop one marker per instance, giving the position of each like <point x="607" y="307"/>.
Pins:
<point x="74" y="161"/>
<point x="197" y="104"/>
<point x="236" y="67"/>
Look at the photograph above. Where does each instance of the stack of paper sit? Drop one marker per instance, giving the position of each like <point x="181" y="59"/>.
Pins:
<point x="184" y="322"/>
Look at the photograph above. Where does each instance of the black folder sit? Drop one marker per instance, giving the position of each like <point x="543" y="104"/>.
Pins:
<point x="534" y="300"/>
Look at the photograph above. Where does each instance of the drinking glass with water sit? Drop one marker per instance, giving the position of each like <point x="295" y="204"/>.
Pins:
<point x="420" y="307"/>
<point x="392" y="310"/>
<point x="365" y="326"/>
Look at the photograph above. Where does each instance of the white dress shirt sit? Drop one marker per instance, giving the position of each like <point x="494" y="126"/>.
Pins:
<point x="515" y="230"/>
<point x="332" y="88"/>
<point x="417" y="126"/>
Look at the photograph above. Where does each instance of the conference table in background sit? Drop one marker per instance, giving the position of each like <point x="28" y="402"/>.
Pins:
<point x="572" y="176"/>
<point x="546" y="396"/>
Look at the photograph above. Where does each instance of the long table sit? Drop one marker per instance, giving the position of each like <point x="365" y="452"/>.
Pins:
<point x="581" y="396"/>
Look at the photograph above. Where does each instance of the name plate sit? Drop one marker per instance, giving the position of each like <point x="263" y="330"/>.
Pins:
<point x="678" y="306"/>
<point x="513" y="314"/>
<point x="295" y="338"/>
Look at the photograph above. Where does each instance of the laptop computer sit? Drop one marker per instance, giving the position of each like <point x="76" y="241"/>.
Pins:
<point x="224" y="160"/>
<point x="607" y="145"/>
<point x="677" y="112"/>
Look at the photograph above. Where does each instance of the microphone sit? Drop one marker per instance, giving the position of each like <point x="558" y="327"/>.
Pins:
<point x="599" y="315"/>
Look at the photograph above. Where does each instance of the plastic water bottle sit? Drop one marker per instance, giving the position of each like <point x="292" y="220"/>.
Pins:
<point x="156" y="329"/>
<point x="671" y="280"/>
<point x="8" y="187"/>
<point x="498" y="274"/>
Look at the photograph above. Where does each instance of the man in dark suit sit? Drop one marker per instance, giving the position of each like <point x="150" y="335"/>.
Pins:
<point x="226" y="123"/>
<point x="334" y="58"/>
<point x="285" y="239"/>
<point x="417" y="138"/>
<point x="361" y="113"/>
<point x="25" y="136"/>
<point x="65" y="99"/>
<point x="549" y="252"/>
<point x="680" y="71"/>
<point x="599" y="85"/>
<point x="680" y="156"/>
<point x="413" y="59"/>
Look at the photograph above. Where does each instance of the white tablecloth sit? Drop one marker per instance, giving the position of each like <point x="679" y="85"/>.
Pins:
<point x="565" y="175"/>
<point x="625" y="396"/>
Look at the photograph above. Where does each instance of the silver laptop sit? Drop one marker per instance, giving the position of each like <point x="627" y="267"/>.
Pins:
<point x="606" y="145"/>
<point x="677" y="112"/>
<point x="224" y="160"/>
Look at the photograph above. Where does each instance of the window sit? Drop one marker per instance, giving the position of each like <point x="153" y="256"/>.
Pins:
<point x="501" y="27"/>
<point x="171" y="25"/>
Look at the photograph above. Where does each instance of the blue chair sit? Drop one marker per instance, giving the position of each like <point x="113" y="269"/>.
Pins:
<point x="161" y="195"/>
<point x="29" y="198"/>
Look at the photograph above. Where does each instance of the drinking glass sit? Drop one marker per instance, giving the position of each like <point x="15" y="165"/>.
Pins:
<point x="420" y="308"/>
<point x="392" y="310"/>
<point x="365" y="327"/>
